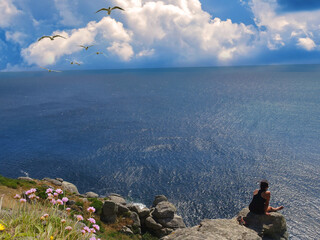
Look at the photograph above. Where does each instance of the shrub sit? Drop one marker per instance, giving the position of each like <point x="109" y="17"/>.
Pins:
<point x="97" y="204"/>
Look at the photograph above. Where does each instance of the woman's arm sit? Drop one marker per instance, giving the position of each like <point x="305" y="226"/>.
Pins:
<point x="267" y="196"/>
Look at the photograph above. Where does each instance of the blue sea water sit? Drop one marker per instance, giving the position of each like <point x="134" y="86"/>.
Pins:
<point x="203" y="137"/>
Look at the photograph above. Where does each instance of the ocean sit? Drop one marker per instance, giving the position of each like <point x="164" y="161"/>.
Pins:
<point x="203" y="137"/>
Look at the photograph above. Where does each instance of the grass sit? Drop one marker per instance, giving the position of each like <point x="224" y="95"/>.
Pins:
<point x="25" y="220"/>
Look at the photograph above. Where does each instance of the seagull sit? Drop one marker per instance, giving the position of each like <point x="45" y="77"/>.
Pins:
<point x="73" y="62"/>
<point x="85" y="47"/>
<point x="51" y="37"/>
<point x="109" y="9"/>
<point x="49" y="70"/>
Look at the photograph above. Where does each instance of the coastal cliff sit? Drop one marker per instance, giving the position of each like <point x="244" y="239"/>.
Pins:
<point x="161" y="220"/>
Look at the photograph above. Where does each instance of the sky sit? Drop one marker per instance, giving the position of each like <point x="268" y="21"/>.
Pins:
<point x="156" y="34"/>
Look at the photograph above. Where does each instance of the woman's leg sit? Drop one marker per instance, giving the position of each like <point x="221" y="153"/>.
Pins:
<point x="272" y="209"/>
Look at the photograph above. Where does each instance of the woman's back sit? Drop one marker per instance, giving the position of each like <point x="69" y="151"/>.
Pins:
<point x="257" y="204"/>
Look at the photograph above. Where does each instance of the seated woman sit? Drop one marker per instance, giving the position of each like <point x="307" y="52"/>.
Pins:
<point x="261" y="199"/>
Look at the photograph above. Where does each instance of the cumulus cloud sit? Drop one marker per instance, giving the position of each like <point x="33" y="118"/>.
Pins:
<point x="17" y="37"/>
<point x="123" y="50"/>
<point x="7" y="12"/>
<point x="282" y="28"/>
<point x="66" y="11"/>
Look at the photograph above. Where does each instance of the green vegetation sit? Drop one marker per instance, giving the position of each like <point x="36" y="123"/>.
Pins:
<point x="97" y="204"/>
<point x="15" y="183"/>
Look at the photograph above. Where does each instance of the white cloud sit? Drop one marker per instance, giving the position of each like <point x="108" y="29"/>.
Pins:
<point x="123" y="50"/>
<point x="145" y="53"/>
<point x="47" y="52"/>
<point x="7" y="12"/>
<point x="285" y="28"/>
<point x="17" y="37"/>
<point x="66" y="11"/>
<point x="306" y="43"/>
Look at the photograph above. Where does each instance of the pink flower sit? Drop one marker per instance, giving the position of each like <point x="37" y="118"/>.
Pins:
<point x="65" y="199"/>
<point x="91" y="220"/>
<point x="22" y="200"/>
<point x="68" y="209"/>
<point x="83" y="231"/>
<point x="63" y="220"/>
<point x="59" y="191"/>
<point x="91" y="209"/>
<point x="46" y="215"/>
<point x="56" y="194"/>
<point x="17" y="196"/>
<point x="32" y="190"/>
<point x="92" y="230"/>
<point x="93" y="238"/>
<point x="53" y="201"/>
<point x="96" y="227"/>
<point x="49" y="190"/>
<point x="79" y="218"/>
<point x="32" y="196"/>
<point x="59" y="201"/>
<point x="87" y="229"/>
<point x="69" y="228"/>
<point x="50" y="196"/>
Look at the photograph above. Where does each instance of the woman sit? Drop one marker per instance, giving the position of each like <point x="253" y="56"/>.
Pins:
<point x="261" y="199"/>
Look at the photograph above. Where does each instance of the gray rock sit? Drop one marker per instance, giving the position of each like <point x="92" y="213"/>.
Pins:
<point x="143" y="213"/>
<point x="162" y="232"/>
<point x="175" y="222"/>
<point x="268" y="226"/>
<point x="71" y="202"/>
<point x="91" y="195"/>
<point x="117" y="199"/>
<point x="109" y="212"/>
<point x="215" y="229"/>
<point x="135" y="218"/>
<point x="69" y="187"/>
<point x="60" y="179"/>
<point x="159" y="198"/>
<point x="25" y="178"/>
<point x="151" y="224"/>
<point x="53" y="181"/>
<point x="122" y="209"/>
<point x="115" y="194"/>
<point x="126" y="230"/>
<point x="164" y="210"/>
<point x="84" y="200"/>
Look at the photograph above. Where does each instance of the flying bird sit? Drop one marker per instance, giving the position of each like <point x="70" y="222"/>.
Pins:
<point x="85" y="47"/>
<point x="109" y="9"/>
<point x="51" y="37"/>
<point x="49" y="70"/>
<point x="72" y="62"/>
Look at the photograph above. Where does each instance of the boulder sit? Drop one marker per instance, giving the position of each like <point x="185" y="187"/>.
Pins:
<point x="136" y="220"/>
<point x="117" y="199"/>
<point x="142" y="212"/>
<point x="60" y="179"/>
<point x="214" y="229"/>
<point x="152" y="224"/>
<point x="126" y="230"/>
<point x="53" y="181"/>
<point x="25" y="178"/>
<point x="267" y="226"/>
<point x="91" y="195"/>
<point x="69" y="187"/>
<point x="122" y="209"/>
<point x="159" y="198"/>
<point x="164" y="209"/>
<point x="175" y="222"/>
<point x="109" y="212"/>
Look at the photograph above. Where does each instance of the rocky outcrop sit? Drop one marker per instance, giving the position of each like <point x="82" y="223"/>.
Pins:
<point x="91" y="195"/>
<point x="271" y="226"/>
<point x="69" y="187"/>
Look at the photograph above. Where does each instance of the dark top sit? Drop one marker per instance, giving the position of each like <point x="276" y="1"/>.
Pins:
<point x="257" y="204"/>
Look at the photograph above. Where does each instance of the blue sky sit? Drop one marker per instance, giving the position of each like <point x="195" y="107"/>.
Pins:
<point x="151" y="33"/>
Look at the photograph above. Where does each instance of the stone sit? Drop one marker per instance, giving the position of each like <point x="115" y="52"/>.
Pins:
<point x="118" y="199"/>
<point x="109" y="212"/>
<point x="152" y="224"/>
<point x="163" y="232"/>
<point x="158" y="199"/>
<point x="25" y="178"/>
<point x="91" y="195"/>
<point x="135" y="218"/>
<point x="175" y="222"/>
<point x="69" y="187"/>
<point x="126" y="230"/>
<point x="71" y="202"/>
<point x="59" y="179"/>
<point x="214" y="229"/>
<point x="142" y="212"/>
<point x="53" y="181"/>
<point x="164" y="210"/>
<point x="267" y="226"/>
<point x="122" y="209"/>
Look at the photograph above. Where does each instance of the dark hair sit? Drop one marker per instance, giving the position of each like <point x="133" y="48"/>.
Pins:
<point x="264" y="185"/>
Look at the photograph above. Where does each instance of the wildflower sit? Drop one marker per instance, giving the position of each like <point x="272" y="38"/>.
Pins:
<point x="51" y="238"/>
<point x="63" y="220"/>
<point x="92" y="230"/>
<point x="93" y="238"/>
<point x="59" y="191"/>
<point x="42" y="218"/>
<point x="22" y="200"/>
<point x="96" y="227"/>
<point x="83" y="231"/>
<point x="32" y="190"/>
<point x="2" y="227"/>
<point x="50" y="196"/>
<point x="53" y="201"/>
<point x="55" y="194"/>
<point x="32" y="196"/>
<point x="46" y="215"/>
<point x="49" y="190"/>
<point x="91" y="209"/>
<point x="17" y="196"/>
<point x="65" y="199"/>
<point x="59" y="201"/>
<point x="79" y="218"/>
<point x="68" y="228"/>
<point x="68" y="209"/>
<point x="91" y="220"/>
<point x="87" y="229"/>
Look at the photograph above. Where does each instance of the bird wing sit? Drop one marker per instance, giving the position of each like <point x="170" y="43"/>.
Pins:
<point x="116" y="7"/>
<point x="82" y="46"/>
<point x="102" y="9"/>
<point x="43" y="38"/>
<point x="44" y="68"/>
<point x="58" y="36"/>
<point x="55" y="71"/>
